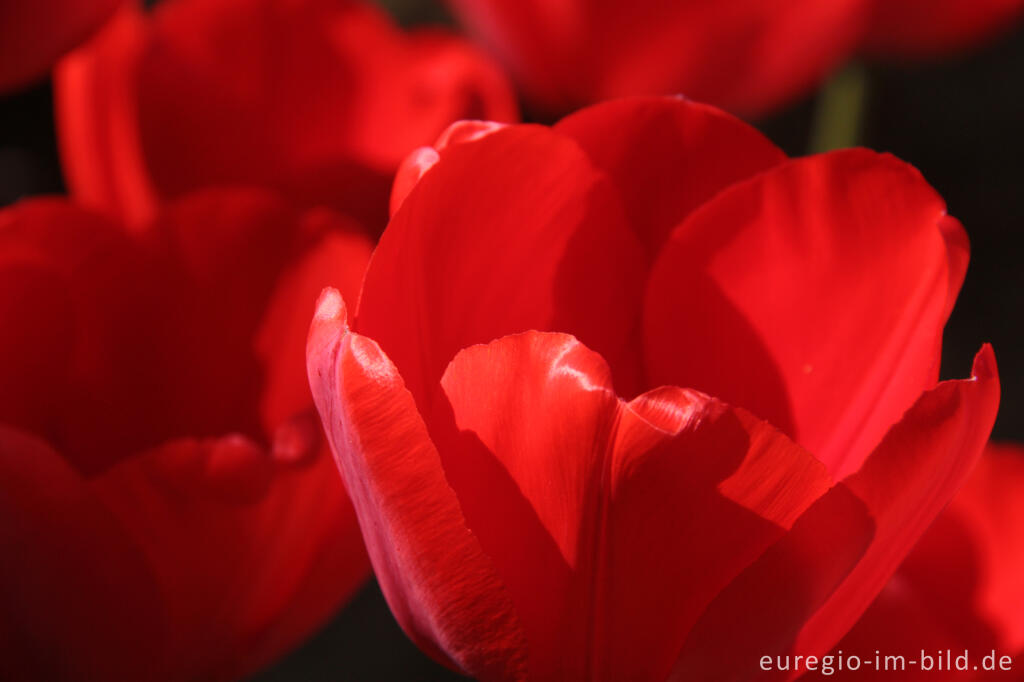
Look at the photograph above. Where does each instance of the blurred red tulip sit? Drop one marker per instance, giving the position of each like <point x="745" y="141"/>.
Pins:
<point x="319" y="98"/>
<point x="524" y="521"/>
<point x="930" y="28"/>
<point x="170" y="509"/>
<point x="748" y="56"/>
<point x="963" y="585"/>
<point x="34" y="34"/>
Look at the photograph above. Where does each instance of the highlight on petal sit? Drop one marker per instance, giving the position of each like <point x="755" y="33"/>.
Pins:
<point x="439" y="583"/>
<point x="615" y="504"/>
<point x="786" y="269"/>
<point x="420" y="160"/>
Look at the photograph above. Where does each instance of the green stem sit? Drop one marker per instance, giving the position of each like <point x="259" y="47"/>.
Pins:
<point x="840" y="110"/>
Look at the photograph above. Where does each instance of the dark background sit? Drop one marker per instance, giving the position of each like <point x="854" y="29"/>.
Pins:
<point x="959" y="120"/>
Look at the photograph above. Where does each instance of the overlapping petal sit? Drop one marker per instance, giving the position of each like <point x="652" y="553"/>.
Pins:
<point x="149" y="363"/>
<point x="960" y="588"/>
<point x="109" y="599"/>
<point x="610" y="500"/>
<point x="667" y="159"/>
<point x="440" y="584"/>
<point x="906" y="482"/>
<point x="743" y="55"/>
<point x="748" y="56"/>
<point x="787" y="269"/>
<point x="521" y="219"/>
<point x="813" y="292"/>
<point x="320" y="99"/>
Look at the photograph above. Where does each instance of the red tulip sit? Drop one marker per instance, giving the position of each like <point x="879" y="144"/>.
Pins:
<point x="962" y="587"/>
<point x="35" y="33"/>
<point x="638" y="398"/>
<point x="927" y="28"/>
<point x="169" y="509"/>
<point x="748" y="56"/>
<point x="319" y="98"/>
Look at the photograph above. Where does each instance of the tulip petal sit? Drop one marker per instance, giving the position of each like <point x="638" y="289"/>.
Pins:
<point x="440" y="585"/>
<point x="69" y="574"/>
<point x="761" y="611"/>
<point x="237" y="541"/>
<point x="96" y="110"/>
<point x="535" y="240"/>
<point x="75" y="331"/>
<point x="747" y="56"/>
<point x="668" y="156"/>
<point x="34" y="35"/>
<point x="319" y="99"/>
<point x="992" y="506"/>
<point x="813" y="295"/>
<point x="928" y="605"/>
<point x="596" y="511"/>
<point x="338" y="259"/>
<point x="909" y="478"/>
<point x="930" y="28"/>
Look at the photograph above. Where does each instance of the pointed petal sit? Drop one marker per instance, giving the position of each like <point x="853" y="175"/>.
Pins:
<point x="440" y="585"/>
<point x="905" y="484"/>
<point x="826" y="283"/>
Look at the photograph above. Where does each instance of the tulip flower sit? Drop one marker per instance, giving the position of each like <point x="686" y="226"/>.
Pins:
<point x="962" y="586"/>
<point x="636" y="397"/>
<point x="35" y="34"/>
<point x="748" y="56"/>
<point x="170" y="510"/>
<point x="320" y="99"/>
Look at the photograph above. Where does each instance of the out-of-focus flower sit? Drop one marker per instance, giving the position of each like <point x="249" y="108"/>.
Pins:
<point x="524" y="521"/>
<point x="930" y="28"/>
<point x="962" y="587"/>
<point x="748" y="56"/>
<point x="319" y="98"/>
<point x="170" y="509"/>
<point x="35" y="33"/>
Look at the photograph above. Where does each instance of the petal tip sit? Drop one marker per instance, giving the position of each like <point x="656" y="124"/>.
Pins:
<point x="415" y="165"/>
<point x="330" y="307"/>
<point x="466" y="131"/>
<point x="984" y="366"/>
